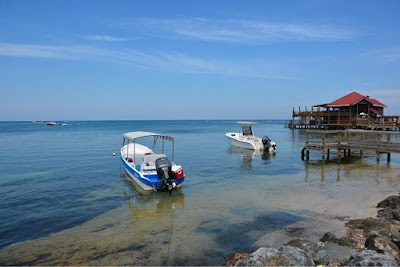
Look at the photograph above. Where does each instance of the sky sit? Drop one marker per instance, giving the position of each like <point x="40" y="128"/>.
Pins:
<point x="197" y="59"/>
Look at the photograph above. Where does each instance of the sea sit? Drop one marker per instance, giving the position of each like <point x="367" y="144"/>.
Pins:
<point x="65" y="199"/>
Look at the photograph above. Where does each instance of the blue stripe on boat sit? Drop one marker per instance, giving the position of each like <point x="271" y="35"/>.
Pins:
<point x="152" y="179"/>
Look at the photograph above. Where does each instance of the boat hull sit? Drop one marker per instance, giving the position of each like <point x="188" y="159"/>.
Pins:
<point x="247" y="144"/>
<point x="147" y="182"/>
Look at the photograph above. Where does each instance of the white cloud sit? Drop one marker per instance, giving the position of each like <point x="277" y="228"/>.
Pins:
<point x="241" y="31"/>
<point x="103" y="38"/>
<point x="385" y="55"/>
<point x="171" y="61"/>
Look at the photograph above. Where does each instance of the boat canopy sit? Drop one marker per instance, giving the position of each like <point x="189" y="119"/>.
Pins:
<point x="135" y="135"/>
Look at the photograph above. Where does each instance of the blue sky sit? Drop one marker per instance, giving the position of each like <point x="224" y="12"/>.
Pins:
<point x="139" y="60"/>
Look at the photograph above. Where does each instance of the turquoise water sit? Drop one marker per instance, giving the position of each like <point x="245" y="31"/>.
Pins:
<point x="54" y="178"/>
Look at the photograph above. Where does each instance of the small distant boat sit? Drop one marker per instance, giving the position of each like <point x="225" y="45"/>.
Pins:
<point x="246" y="139"/>
<point x="37" y="121"/>
<point x="52" y="123"/>
<point x="151" y="171"/>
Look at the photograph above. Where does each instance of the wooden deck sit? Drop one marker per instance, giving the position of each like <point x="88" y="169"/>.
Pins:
<point x="336" y="119"/>
<point x="346" y="141"/>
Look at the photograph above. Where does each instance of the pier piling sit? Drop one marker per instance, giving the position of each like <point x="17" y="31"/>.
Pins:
<point x="360" y="140"/>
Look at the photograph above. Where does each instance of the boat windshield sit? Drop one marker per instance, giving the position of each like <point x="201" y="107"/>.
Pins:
<point x="246" y="130"/>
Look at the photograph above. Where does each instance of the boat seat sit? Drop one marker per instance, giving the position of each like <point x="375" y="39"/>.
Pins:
<point x="149" y="161"/>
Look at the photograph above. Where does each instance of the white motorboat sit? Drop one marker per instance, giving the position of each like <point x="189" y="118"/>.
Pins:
<point x="246" y="139"/>
<point x="52" y="123"/>
<point x="151" y="171"/>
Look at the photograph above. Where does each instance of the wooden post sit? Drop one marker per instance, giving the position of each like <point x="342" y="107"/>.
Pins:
<point x="293" y="117"/>
<point x="388" y="157"/>
<point x="329" y="117"/>
<point x="379" y="141"/>
<point x="357" y="114"/>
<point x="307" y="141"/>
<point x="338" y="147"/>
<point x="328" y="153"/>
<point x="323" y="146"/>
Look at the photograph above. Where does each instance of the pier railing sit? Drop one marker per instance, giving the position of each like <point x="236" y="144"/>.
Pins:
<point x="344" y="141"/>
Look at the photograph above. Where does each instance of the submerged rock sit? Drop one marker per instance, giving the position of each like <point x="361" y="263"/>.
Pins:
<point x="343" y="241"/>
<point x="369" y="258"/>
<point x="392" y="202"/>
<point x="316" y="250"/>
<point x="370" y="226"/>
<point x="284" y="256"/>
<point x="383" y="245"/>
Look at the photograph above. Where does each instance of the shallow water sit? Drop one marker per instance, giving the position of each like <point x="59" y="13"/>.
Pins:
<point x="64" y="182"/>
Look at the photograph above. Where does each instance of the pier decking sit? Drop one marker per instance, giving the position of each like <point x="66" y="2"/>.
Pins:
<point x="346" y="141"/>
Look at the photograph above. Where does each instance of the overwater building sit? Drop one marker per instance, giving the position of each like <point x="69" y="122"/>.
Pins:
<point x="354" y="111"/>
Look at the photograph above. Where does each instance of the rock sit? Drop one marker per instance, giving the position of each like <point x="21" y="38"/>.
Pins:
<point x="335" y="262"/>
<point x="389" y="214"/>
<point x="369" y="258"/>
<point x="261" y="256"/>
<point x="316" y="250"/>
<point x="236" y="257"/>
<point x="383" y="245"/>
<point x="343" y="241"/>
<point x="298" y="256"/>
<point x="370" y="226"/>
<point x="392" y="202"/>
<point x="396" y="214"/>
<point x="385" y="214"/>
<point x="396" y="236"/>
<point x="284" y="256"/>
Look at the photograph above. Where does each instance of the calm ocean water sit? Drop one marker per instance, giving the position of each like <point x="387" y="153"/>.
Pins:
<point x="54" y="178"/>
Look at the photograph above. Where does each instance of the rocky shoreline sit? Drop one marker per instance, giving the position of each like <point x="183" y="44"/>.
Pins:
<point x="372" y="241"/>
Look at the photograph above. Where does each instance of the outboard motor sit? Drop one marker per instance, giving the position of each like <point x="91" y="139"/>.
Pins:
<point x="163" y="168"/>
<point x="268" y="143"/>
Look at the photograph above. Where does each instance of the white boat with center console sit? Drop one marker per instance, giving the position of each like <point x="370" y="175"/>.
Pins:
<point x="150" y="170"/>
<point x="246" y="139"/>
<point x="52" y="123"/>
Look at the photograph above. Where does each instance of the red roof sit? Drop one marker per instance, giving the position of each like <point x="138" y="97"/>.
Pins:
<point x="352" y="99"/>
<point x="375" y="111"/>
<point x="376" y="102"/>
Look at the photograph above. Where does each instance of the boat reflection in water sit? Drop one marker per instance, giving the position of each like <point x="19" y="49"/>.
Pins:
<point x="247" y="156"/>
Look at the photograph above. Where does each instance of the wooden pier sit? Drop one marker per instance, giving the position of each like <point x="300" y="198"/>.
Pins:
<point x="351" y="141"/>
